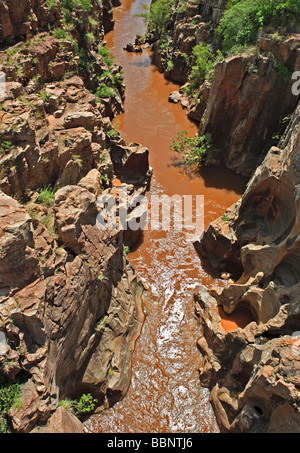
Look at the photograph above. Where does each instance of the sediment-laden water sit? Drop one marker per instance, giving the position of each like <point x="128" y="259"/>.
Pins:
<point x="165" y="395"/>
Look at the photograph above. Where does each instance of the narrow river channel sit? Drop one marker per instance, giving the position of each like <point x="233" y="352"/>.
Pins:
<point x="165" y="395"/>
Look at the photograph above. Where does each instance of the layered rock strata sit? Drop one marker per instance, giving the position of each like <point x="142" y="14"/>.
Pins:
<point x="22" y="20"/>
<point x="70" y="303"/>
<point x="254" y="372"/>
<point x="244" y="90"/>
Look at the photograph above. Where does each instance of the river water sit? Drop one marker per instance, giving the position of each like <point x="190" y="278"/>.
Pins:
<point x="165" y="395"/>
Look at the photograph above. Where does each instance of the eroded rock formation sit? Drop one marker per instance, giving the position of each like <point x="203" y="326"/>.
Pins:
<point x="26" y="18"/>
<point x="253" y="373"/>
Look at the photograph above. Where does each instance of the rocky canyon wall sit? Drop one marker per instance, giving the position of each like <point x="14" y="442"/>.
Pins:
<point x="70" y="303"/>
<point x="247" y="102"/>
<point x="247" y="105"/>
<point x="256" y="387"/>
<point x="253" y="373"/>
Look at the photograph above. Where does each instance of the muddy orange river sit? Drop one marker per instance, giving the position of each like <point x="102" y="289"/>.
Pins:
<point x="165" y="395"/>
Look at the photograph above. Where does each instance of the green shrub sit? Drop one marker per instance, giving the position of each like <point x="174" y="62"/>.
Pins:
<point x="238" y="26"/>
<point x="60" y="33"/>
<point x="282" y="71"/>
<point x="107" y="56"/>
<point x="203" y="62"/>
<point x="77" y="159"/>
<point x="46" y="196"/>
<point x="86" y="4"/>
<point x="243" y="18"/>
<point x="68" y="404"/>
<point x="85" y="405"/>
<point x="44" y="95"/>
<point x="51" y="3"/>
<point x="104" y="91"/>
<point x="108" y="83"/>
<point x="279" y="12"/>
<point x="158" y="18"/>
<point x="89" y="37"/>
<point x="170" y="65"/>
<point x="194" y="149"/>
<point x="85" y="64"/>
<point x="4" y="146"/>
<point x="9" y="397"/>
<point x="72" y="5"/>
<point x="112" y="133"/>
<point x="225" y="218"/>
<point x="68" y="6"/>
<point x="11" y="52"/>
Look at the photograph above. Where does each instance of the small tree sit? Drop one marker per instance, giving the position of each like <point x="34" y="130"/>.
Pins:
<point x="194" y="149"/>
<point x="85" y="405"/>
<point x="158" y="18"/>
<point x="203" y="62"/>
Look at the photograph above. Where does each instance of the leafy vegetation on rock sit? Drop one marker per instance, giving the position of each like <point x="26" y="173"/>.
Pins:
<point x="203" y="62"/>
<point x="71" y="5"/>
<point x="159" y="18"/>
<point x="46" y="196"/>
<point x="85" y="405"/>
<point x="9" y="397"/>
<point x="243" y="18"/>
<point x="193" y="149"/>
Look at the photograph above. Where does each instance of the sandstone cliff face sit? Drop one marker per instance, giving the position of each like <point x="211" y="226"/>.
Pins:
<point x="244" y="90"/>
<point x="73" y="311"/>
<point x="70" y="303"/>
<point x="253" y="373"/>
<point x="23" y="18"/>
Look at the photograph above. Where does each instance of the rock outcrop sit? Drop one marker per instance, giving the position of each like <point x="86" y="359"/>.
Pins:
<point x="22" y="19"/>
<point x="193" y="23"/>
<point x="244" y="89"/>
<point x="253" y="373"/>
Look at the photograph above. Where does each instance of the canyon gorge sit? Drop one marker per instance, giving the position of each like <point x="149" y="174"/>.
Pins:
<point x="157" y="331"/>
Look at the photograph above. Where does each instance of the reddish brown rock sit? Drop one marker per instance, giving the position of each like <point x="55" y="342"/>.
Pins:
<point x="237" y="110"/>
<point x="20" y="19"/>
<point x="61" y="421"/>
<point x="55" y="320"/>
<point x="253" y="372"/>
<point x="18" y="259"/>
